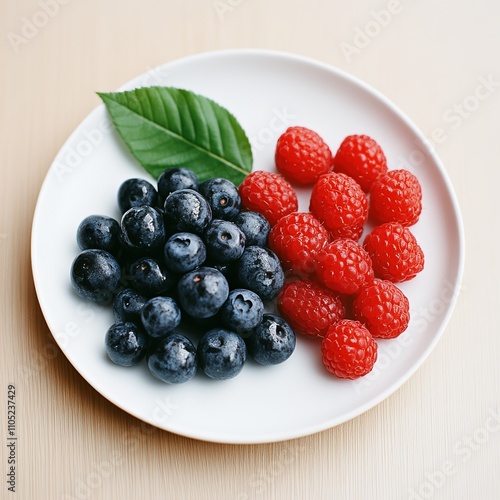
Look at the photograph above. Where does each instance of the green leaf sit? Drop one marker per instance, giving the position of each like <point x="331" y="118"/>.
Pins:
<point x="167" y="127"/>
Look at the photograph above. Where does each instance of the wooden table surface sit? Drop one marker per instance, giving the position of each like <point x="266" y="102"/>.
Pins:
<point x="436" y="437"/>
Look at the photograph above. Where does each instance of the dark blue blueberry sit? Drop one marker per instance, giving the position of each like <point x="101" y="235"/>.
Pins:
<point x="184" y="252"/>
<point x="272" y="342"/>
<point x="242" y="311"/>
<point x="135" y="193"/>
<point x="149" y="277"/>
<point x="99" y="231"/>
<point x="225" y="241"/>
<point x="173" y="360"/>
<point x="142" y="230"/>
<point x="127" y="305"/>
<point x="255" y="227"/>
<point x="221" y="354"/>
<point x="222" y="196"/>
<point x="187" y="211"/>
<point x="160" y="316"/>
<point x="259" y="270"/>
<point x="95" y="276"/>
<point x="125" y="343"/>
<point x="175" y="179"/>
<point x="202" y="292"/>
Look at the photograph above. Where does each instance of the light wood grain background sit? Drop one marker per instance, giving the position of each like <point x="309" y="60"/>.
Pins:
<point x="434" y="438"/>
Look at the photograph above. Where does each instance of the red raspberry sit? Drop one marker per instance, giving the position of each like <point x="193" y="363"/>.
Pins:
<point x="296" y="239"/>
<point x="349" y="350"/>
<point x="344" y="266"/>
<point x="360" y="157"/>
<point x="396" y="255"/>
<point x="396" y="197"/>
<point x="309" y="308"/>
<point x="302" y="155"/>
<point x="340" y="204"/>
<point x="383" y="308"/>
<point x="269" y="194"/>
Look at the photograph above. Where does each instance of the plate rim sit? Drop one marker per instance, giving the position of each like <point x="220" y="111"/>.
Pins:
<point x="392" y="388"/>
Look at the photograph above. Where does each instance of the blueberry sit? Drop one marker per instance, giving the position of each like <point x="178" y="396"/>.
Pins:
<point x="272" y="342"/>
<point x="160" y="315"/>
<point x="242" y="311"/>
<point x="184" y="252"/>
<point x="125" y="343"/>
<point x="222" y="196"/>
<point x="173" y="360"/>
<point x="142" y="230"/>
<point x="221" y="353"/>
<point x="135" y="193"/>
<point x="98" y="231"/>
<point x="149" y="277"/>
<point x="259" y="270"/>
<point x="187" y="211"/>
<point x="255" y="228"/>
<point x="202" y="292"/>
<point x="95" y="276"/>
<point x="175" y="179"/>
<point x="127" y="305"/>
<point x="225" y="241"/>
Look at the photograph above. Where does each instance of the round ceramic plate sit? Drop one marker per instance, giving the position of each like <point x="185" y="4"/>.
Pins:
<point x="267" y="92"/>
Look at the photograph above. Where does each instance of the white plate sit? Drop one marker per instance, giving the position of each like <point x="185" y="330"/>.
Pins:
<point x="267" y="92"/>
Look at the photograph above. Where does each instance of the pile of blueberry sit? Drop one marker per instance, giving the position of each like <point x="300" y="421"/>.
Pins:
<point x="184" y="258"/>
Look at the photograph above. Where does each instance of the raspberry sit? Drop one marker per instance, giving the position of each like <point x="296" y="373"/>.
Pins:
<point x="269" y="194"/>
<point x="309" y="308"/>
<point x="383" y="308"/>
<point x="360" y="157"/>
<point x="302" y="155"/>
<point x="396" y="255"/>
<point x="344" y="266"/>
<point x="396" y="197"/>
<point x="340" y="204"/>
<point x="349" y="350"/>
<point x="296" y="239"/>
